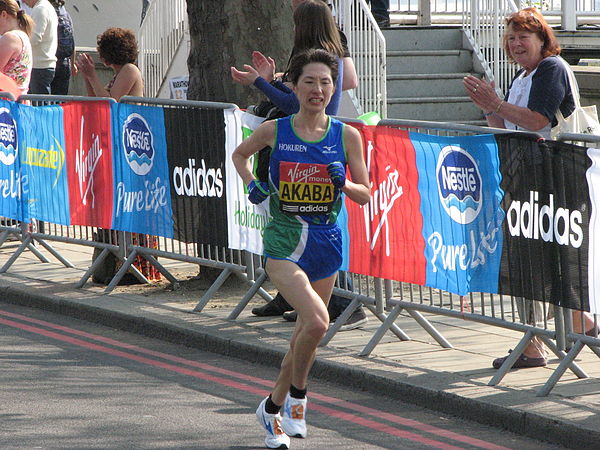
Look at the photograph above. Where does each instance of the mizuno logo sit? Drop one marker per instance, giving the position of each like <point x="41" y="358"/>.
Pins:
<point x="329" y="148"/>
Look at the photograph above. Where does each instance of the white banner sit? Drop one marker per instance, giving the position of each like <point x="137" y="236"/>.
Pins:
<point x="593" y="178"/>
<point x="246" y="221"/>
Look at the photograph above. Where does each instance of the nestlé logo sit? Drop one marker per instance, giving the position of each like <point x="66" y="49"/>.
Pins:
<point x="459" y="184"/>
<point x="138" y="144"/>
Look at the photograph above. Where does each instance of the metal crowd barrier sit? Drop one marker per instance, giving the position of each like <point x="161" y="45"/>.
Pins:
<point x="577" y="339"/>
<point x="121" y="244"/>
<point x="387" y="299"/>
<point x="227" y="261"/>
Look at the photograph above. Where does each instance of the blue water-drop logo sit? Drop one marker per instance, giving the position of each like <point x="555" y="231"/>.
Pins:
<point x="138" y="144"/>
<point x="9" y="143"/>
<point x="459" y="184"/>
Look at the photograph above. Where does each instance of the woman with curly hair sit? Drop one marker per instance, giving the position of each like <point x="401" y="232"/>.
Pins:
<point x="117" y="48"/>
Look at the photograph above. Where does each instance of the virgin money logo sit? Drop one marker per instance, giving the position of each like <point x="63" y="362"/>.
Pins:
<point x="9" y="146"/>
<point x="385" y="192"/>
<point x="138" y="144"/>
<point x="459" y="184"/>
<point x="86" y="161"/>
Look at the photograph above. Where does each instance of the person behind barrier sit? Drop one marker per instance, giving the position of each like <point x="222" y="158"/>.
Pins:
<point x="117" y="49"/>
<point x="302" y="242"/>
<point x="314" y="28"/>
<point x="15" y="48"/>
<point x="65" y="52"/>
<point x="380" y="10"/>
<point x="44" y="41"/>
<point x="538" y="90"/>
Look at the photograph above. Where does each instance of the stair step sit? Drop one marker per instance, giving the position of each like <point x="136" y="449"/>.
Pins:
<point x="446" y="61"/>
<point x="443" y="111"/>
<point x="430" y="85"/>
<point x="417" y="100"/>
<point x="429" y="76"/>
<point x="424" y="52"/>
<point x="415" y="38"/>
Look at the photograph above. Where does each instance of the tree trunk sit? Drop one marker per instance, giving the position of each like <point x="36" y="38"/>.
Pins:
<point x="223" y="34"/>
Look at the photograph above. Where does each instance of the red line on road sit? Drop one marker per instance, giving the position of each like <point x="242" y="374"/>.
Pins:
<point x="324" y="398"/>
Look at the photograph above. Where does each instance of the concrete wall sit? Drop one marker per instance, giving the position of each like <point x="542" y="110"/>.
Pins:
<point x="77" y="85"/>
<point x="178" y="67"/>
<point x="92" y="17"/>
<point x="588" y="79"/>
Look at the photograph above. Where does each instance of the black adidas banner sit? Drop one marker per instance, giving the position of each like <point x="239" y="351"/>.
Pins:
<point x="546" y="228"/>
<point x="196" y="143"/>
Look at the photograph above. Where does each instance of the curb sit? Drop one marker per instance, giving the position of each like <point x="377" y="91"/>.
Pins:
<point x="521" y="422"/>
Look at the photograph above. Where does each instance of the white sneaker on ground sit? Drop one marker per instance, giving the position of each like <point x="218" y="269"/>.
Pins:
<point x="271" y="423"/>
<point x="293" y="421"/>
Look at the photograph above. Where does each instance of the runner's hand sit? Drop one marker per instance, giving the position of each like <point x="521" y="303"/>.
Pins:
<point x="258" y="191"/>
<point x="337" y="173"/>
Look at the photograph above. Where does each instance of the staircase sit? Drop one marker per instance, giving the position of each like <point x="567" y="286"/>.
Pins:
<point x="425" y="68"/>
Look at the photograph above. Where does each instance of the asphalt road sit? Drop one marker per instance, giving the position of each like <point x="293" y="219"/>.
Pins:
<point x="66" y="383"/>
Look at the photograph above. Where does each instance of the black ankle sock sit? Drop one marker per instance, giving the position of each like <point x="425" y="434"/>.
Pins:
<point x="297" y="393"/>
<point x="270" y="407"/>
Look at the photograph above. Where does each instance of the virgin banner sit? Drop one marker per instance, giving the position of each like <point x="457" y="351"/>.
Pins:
<point x="88" y="139"/>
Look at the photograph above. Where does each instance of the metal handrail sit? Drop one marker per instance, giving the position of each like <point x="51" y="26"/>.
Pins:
<point x="368" y="49"/>
<point x="159" y="38"/>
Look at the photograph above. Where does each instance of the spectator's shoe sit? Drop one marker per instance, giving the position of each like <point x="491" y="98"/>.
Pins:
<point x="275" y="307"/>
<point x="293" y="420"/>
<point x="356" y="320"/>
<point x="522" y="362"/>
<point x="271" y="423"/>
<point x="290" y="316"/>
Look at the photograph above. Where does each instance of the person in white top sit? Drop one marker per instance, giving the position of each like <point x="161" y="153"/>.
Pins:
<point x="44" y="42"/>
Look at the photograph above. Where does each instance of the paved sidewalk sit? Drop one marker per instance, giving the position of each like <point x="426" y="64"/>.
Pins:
<point x="419" y="371"/>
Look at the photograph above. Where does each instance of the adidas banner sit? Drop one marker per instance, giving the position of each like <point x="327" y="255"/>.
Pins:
<point x="196" y="144"/>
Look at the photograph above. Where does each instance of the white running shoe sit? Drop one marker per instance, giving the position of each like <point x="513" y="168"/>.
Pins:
<point x="275" y="437"/>
<point x="294" y="417"/>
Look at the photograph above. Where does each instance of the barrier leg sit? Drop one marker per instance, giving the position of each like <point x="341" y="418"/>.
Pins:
<point x="512" y="357"/>
<point x="92" y="268"/>
<point x="163" y="270"/>
<point x="212" y="289"/>
<point x="393" y="328"/>
<point x="261" y="291"/>
<point x="560" y="370"/>
<point x="578" y="371"/>
<point x="246" y="298"/>
<point x="55" y="253"/>
<point x="25" y="244"/>
<point x="595" y="349"/>
<point x="127" y="264"/>
<point x="435" y="334"/>
<point x="383" y="328"/>
<point x="341" y="320"/>
<point x="3" y="236"/>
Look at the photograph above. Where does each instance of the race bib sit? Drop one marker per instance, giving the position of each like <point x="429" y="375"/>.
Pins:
<point x="305" y="189"/>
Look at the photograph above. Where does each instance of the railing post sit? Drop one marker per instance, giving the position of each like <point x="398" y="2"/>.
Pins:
<point x="569" y="16"/>
<point x="424" y="17"/>
<point x="497" y="29"/>
<point x="474" y="15"/>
